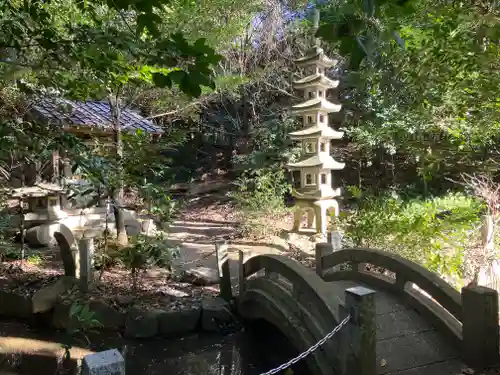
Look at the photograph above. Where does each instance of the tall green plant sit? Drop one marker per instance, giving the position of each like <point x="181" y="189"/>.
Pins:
<point x="434" y="232"/>
<point x="144" y="252"/>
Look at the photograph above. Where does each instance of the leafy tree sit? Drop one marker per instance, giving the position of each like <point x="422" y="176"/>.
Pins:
<point x="417" y="81"/>
<point x="101" y="50"/>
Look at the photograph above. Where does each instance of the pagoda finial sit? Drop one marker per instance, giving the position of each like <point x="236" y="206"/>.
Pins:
<point x="316" y="26"/>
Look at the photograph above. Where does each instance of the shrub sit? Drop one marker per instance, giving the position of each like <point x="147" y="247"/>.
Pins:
<point x="144" y="252"/>
<point x="434" y="232"/>
<point x="260" y="197"/>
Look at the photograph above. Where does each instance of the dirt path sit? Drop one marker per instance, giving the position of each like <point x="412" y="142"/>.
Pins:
<point x="196" y="240"/>
<point x="213" y="218"/>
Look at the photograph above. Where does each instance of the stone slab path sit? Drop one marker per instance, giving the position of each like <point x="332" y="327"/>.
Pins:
<point x="196" y="241"/>
<point x="407" y="343"/>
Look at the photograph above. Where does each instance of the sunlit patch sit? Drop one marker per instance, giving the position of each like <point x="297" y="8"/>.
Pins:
<point x="18" y="345"/>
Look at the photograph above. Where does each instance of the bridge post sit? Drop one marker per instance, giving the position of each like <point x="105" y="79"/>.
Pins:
<point x="335" y="239"/>
<point x="322" y="249"/>
<point x="221" y="253"/>
<point x="480" y="334"/>
<point x="86" y="248"/>
<point x="241" y="271"/>
<point x="361" y="358"/>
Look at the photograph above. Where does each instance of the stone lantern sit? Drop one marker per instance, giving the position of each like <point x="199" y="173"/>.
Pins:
<point x="43" y="212"/>
<point x="315" y="194"/>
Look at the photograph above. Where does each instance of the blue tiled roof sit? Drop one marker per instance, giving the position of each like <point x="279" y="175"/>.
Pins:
<point x="92" y="114"/>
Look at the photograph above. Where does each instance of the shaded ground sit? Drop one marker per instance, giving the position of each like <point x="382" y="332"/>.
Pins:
<point x="206" y="220"/>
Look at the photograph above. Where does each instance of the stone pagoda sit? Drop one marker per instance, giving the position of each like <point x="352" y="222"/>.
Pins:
<point x="315" y="194"/>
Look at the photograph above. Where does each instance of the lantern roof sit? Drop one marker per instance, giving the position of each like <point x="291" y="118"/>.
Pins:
<point x="319" y="104"/>
<point x="316" y="132"/>
<point x="316" y="79"/>
<point x="315" y="56"/>
<point x="318" y="161"/>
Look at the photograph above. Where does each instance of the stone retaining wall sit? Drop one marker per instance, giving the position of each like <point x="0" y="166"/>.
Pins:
<point x="211" y="315"/>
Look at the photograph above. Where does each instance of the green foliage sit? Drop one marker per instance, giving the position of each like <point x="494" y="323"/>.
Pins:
<point x="271" y="147"/>
<point x="82" y="321"/>
<point x="163" y="210"/>
<point x="145" y="252"/>
<point x="359" y="27"/>
<point x="434" y="232"/>
<point x="142" y="253"/>
<point x="145" y="170"/>
<point x="83" y="318"/>
<point x="107" y="253"/>
<point x="260" y="197"/>
<point x="418" y="81"/>
<point x="7" y="249"/>
<point x="89" y="49"/>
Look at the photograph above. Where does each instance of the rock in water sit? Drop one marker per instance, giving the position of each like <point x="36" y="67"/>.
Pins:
<point x="173" y="323"/>
<point x="203" y="276"/>
<point x="216" y="316"/>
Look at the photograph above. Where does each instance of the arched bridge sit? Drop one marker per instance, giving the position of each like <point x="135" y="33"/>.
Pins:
<point x="403" y="319"/>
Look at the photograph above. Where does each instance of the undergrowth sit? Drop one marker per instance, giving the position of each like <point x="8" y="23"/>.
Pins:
<point x="435" y="232"/>
<point x="260" y="201"/>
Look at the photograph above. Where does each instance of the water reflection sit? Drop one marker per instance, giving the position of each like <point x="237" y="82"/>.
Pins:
<point x="259" y="348"/>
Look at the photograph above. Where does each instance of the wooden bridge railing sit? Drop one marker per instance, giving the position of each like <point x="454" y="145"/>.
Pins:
<point x="471" y="317"/>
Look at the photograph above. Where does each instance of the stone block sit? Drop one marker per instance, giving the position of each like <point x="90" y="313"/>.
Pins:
<point x="142" y="324"/>
<point x="216" y="316"/>
<point x="108" y="316"/>
<point x="46" y="298"/>
<point x="109" y="362"/>
<point x="133" y="227"/>
<point x="176" y="323"/>
<point x="60" y="317"/>
<point x="203" y="276"/>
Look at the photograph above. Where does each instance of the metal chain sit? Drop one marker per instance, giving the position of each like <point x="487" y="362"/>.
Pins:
<point x="181" y="264"/>
<point x="309" y="351"/>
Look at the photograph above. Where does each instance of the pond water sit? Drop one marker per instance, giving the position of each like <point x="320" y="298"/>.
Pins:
<point x="253" y="351"/>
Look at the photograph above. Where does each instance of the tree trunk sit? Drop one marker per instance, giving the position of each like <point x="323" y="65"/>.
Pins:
<point x="121" y="232"/>
<point x="247" y="126"/>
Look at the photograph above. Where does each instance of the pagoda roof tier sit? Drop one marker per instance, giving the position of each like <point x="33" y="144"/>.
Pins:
<point x="316" y="104"/>
<point x="316" y="132"/>
<point x="317" y="161"/>
<point x="315" y="80"/>
<point x="316" y="56"/>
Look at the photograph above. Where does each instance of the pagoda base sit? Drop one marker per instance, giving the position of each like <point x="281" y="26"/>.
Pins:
<point x="317" y="217"/>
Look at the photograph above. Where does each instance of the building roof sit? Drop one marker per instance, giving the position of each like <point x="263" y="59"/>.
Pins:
<point x="318" y="161"/>
<point x="316" y="104"/>
<point x="315" y="80"/>
<point x="91" y="114"/>
<point x="316" y="132"/>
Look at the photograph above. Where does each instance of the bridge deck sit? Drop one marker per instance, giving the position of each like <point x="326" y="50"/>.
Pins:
<point x="407" y="344"/>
